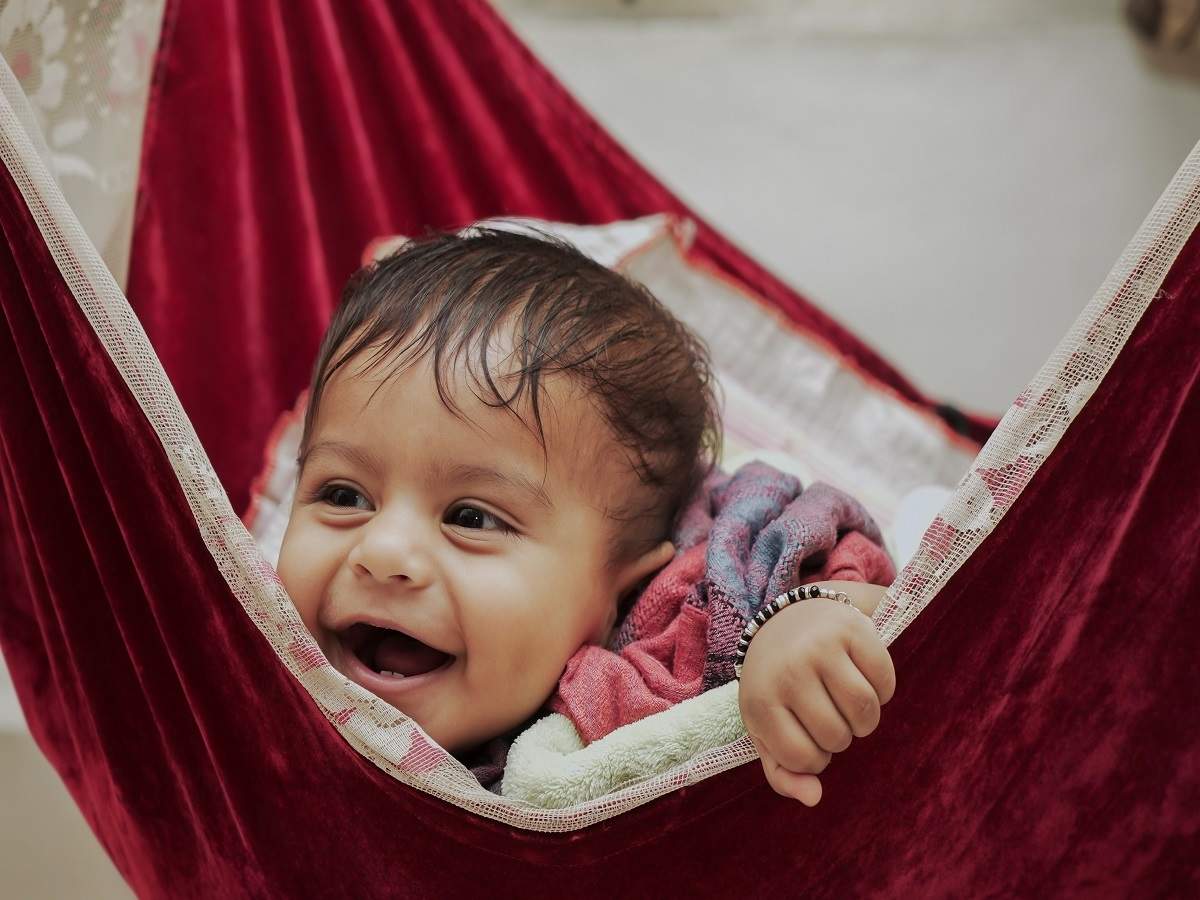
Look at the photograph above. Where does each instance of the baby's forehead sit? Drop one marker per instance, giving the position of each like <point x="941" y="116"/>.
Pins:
<point x="566" y="444"/>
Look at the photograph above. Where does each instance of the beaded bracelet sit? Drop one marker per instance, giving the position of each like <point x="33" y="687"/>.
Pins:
<point x="797" y="593"/>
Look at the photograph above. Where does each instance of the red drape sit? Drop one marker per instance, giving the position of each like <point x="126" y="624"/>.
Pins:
<point x="283" y="136"/>
<point x="1043" y="740"/>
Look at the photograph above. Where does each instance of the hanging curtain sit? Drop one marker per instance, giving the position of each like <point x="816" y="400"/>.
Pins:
<point x="282" y="138"/>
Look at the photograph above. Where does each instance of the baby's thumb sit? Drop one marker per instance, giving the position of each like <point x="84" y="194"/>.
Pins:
<point x="805" y="788"/>
<point x="809" y="791"/>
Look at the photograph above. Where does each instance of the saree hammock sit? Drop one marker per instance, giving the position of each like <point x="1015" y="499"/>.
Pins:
<point x="1044" y="738"/>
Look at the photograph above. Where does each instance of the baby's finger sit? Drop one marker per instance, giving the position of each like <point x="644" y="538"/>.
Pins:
<point x="854" y="696"/>
<point x="875" y="663"/>
<point x="818" y="714"/>
<point x="790" y="743"/>
<point x="797" y="785"/>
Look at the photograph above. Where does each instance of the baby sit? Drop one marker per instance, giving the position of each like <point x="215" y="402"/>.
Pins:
<point x="500" y="434"/>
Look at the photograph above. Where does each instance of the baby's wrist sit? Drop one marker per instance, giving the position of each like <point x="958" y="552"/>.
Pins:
<point x="797" y="594"/>
<point x="863" y="596"/>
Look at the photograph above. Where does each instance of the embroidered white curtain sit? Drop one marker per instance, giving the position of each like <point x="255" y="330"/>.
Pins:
<point x="85" y="67"/>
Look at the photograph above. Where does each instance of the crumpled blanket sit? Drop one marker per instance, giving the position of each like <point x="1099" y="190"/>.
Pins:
<point x="549" y="766"/>
<point x="743" y="540"/>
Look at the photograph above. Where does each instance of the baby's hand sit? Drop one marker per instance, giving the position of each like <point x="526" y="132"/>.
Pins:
<point x="814" y="678"/>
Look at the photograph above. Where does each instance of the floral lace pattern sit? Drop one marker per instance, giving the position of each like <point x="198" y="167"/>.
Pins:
<point x="85" y="67"/>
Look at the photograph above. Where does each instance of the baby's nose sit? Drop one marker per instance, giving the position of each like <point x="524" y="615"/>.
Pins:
<point x="389" y="553"/>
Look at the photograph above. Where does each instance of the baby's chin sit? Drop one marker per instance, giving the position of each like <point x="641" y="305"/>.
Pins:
<point x="485" y="740"/>
<point x="477" y="751"/>
<point x="471" y="743"/>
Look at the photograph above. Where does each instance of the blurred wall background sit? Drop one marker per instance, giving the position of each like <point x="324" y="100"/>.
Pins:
<point x="950" y="180"/>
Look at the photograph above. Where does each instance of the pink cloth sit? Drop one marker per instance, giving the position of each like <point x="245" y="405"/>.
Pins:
<point x="603" y="689"/>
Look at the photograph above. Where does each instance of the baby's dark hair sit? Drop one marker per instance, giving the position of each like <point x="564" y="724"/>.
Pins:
<point x="648" y="374"/>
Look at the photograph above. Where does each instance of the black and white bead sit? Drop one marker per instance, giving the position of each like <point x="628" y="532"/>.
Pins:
<point x="783" y="600"/>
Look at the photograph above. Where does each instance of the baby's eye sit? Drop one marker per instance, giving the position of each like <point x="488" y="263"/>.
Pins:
<point x="341" y="496"/>
<point x="475" y="518"/>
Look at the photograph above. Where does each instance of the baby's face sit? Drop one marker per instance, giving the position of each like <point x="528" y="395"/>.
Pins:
<point x="408" y="519"/>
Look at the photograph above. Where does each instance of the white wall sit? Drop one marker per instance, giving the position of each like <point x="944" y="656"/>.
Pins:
<point x="10" y="711"/>
<point x="951" y="181"/>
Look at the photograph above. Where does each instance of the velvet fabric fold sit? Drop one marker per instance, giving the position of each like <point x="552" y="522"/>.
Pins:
<point x="282" y="137"/>
<point x="1041" y="741"/>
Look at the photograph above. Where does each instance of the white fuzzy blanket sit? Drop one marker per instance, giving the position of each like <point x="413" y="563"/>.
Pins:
<point x="549" y="766"/>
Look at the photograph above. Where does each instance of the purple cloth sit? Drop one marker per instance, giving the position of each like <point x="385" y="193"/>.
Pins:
<point x="763" y="531"/>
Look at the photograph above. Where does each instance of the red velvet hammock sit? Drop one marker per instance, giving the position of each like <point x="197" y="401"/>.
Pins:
<point x="1044" y="739"/>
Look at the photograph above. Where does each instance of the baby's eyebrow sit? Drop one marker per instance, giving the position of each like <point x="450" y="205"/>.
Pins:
<point x="344" y="450"/>
<point x="516" y="480"/>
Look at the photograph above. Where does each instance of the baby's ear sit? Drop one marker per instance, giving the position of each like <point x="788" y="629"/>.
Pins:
<point x="641" y="568"/>
<point x="629" y="578"/>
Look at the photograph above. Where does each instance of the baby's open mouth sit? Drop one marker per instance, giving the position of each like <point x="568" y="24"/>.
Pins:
<point x="389" y="652"/>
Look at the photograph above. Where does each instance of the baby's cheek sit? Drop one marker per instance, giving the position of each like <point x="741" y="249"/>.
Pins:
<point x="524" y="625"/>
<point x="522" y="655"/>
<point x="300" y="574"/>
<point x="288" y="575"/>
<point x="526" y="658"/>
